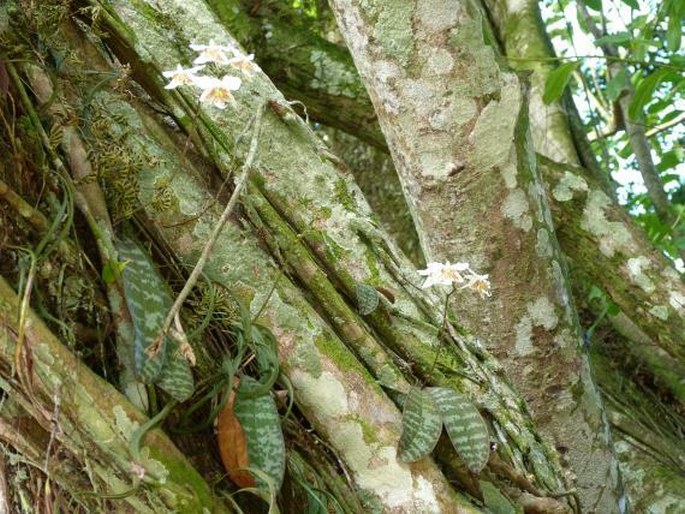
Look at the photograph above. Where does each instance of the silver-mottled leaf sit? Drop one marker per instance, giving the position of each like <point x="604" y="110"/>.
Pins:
<point x="367" y="299"/>
<point x="465" y="426"/>
<point x="176" y="377"/>
<point x="258" y="416"/>
<point x="148" y="302"/>
<point x="421" y="426"/>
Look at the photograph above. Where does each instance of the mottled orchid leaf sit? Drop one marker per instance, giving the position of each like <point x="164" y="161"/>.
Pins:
<point x="421" y="426"/>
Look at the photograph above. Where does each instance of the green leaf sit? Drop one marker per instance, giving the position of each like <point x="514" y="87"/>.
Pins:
<point x="632" y="4"/>
<point x="674" y="30"/>
<point x="495" y="501"/>
<point x="421" y="426"/>
<point x="614" y="39"/>
<point x="367" y="299"/>
<point x="613" y="309"/>
<point x="148" y="302"/>
<point x="176" y="377"/>
<point x="643" y="93"/>
<point x="557" y="81"/>
<point x="619" y="83"/>
<point x="112" y="270"/>
<point x="465" y="426"/>
<point x="595" y="5"/>
<point x="259" y="420"/>
<point x="670" y="159"/>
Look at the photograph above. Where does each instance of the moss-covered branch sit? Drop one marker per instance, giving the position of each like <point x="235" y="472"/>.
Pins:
<point x="91" y="416"/>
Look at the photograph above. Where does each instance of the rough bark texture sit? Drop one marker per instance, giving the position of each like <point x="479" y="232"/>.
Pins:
<point x="304" y="66"/>
<point x="643" y="283"/>
<point x="303" y="241"/>
<point x="303" y="215"/>
<point x="316" y="220"/>
<point x="520" y="30"/>
<point x="457" y="128"/>
<point x="635" y="405"/>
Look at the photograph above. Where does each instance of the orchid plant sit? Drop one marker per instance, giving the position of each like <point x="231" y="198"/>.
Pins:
<point x="457" y="274"/>
<point x="216" y="92"/>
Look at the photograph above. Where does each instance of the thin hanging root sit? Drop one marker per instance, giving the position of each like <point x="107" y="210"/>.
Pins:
<point x="207" y="250"/>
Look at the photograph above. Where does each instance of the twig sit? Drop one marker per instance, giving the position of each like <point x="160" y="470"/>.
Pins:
<point x="207" y="250"/>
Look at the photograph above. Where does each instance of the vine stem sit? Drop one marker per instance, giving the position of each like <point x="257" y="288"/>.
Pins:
<point x="443" y="328"/>
<point x="209" y="246"/>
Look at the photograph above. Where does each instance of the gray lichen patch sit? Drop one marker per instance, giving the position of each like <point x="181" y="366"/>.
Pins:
<point x="508" y="171"/>
<point x="659" y="311"/>
<point x="540" y="313"/>
<point x="493" y="135"/>
<point x="125" y="425"/>
<point x="440" y="62"/>
<point x="387" y="72"/>
<point x="378" y="469"/>
<point x="435" y="157"/>
<point x="612" y="236"/>
<point x="543" y="246"/>
<point x="677" y="301"/>
<point x="394" y="31"/>
<point x="437" y="15"/>
<point x="635" y="267"/>
<point x="570" y="182"/>
<point x="516" y="208"/>
<point x="325" y="392"/>
<point x="524" y="337"/>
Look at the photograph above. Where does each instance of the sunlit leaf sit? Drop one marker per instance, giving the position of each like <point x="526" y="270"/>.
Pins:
<point x="671" y="159"/>
<point x="614" y="39"/>
<point x="421" y="426"/>
<point x="595" y="5"/>
<point x="644" y="91"/>
<point x="557" y="81"/>
<point x="367" y="299"/>
<point x="619" y="83"/>
<point x="613" y="309"/>
<point x="258" y="417"/>
<point x="112" y="270"/>
<point x="465" y="426"/>
<point x="632" y="4"/>
<point x="675" y="10"/>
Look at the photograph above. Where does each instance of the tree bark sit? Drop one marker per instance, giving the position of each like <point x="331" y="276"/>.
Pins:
<point x="302" y="213"/>
<point x="457" y="128"/>
<point x="302" y="242"/>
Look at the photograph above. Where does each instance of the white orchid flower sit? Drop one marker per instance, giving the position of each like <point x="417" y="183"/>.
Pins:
<point x="218" y="92"/>
<point x="446" y="274"/>
<point x="182" y="76"/>
<point x="218" y="54"/>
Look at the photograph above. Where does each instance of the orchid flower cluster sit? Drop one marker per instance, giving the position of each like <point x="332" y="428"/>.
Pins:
<point x="217" y="92"/>
<point x="457" y="274"/>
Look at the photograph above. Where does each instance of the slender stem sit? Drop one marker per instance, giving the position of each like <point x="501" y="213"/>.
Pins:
<point x="443" y="326"/>
<point x="207" y="250"/>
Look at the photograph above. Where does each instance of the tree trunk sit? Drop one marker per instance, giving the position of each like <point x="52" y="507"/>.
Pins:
<point x="457" y="128"/>
<point x="295" y="255"/>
